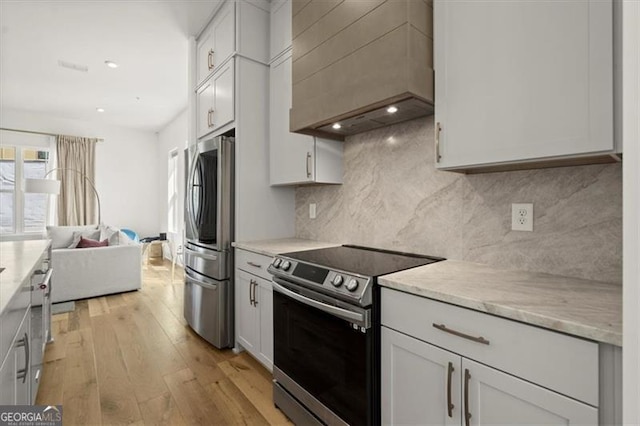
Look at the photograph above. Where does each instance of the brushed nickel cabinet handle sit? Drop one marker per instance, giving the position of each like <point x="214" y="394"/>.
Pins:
<point x="308" y="165"/>
<point x="210" y="59"/>
<point x="438" y="130"/>
<point x="450" y="405"/>
<point x="255" y="265"/>
<point x="467" y="413"/>
<point x="24" y="372"/>
<point x="255" y="286"/>
<point x="444" y="328"/>
<point x="209" y="119"/>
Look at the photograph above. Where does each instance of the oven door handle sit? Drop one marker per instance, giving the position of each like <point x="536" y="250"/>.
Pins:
<point x="330" y="309"/>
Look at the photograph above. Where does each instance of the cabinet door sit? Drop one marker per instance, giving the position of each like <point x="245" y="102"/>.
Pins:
<point x="15" y="377"/>
<point x="496" y="398"/>
<point x="246" y="314"/>
<point x="204" y="99"/>
<point x="204" y="55"/>
<point x="521" y="80"/>
<point x="292" y="155"/>
<point x="8" y="379"/>
<point x="280" y="27"/>
<point x="224" y="35"/>
<point x="418" y="382"/>
<point x="223" y="105"/>
<point x="266" y="322"/>
<point x="217" y="42"/>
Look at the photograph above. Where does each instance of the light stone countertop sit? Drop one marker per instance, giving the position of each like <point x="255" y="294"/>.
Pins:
<point x="20" y="258"/>
<point x="583" y="308"/>
<point x="283" y="245"/>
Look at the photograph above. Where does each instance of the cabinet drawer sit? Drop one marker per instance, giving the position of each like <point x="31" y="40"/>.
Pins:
<point x="254" y="263"/>
<point x="565" y="364"/>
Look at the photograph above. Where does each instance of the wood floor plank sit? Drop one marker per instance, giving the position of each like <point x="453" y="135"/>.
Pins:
<point x="176" y="329"/>
<point x="195" y="405"/>
<point x="79" y="317"/>
<point x="200" y="360"/>
<point x="80" y="389"/>
<point x="58" y="348"/>
<point x="252" y="383"/>
<point x="98" y="306"/>
<point x="139" y="359"/>
<point x="162" y="410"/>
<point x="233" y="404"/>
<point x="115" y="301"/>
<point x="60" y="317"/>
<point x="117" y="397"/>
<point x="51" y="388"/>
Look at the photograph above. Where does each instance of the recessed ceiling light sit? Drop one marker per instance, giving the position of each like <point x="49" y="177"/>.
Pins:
<point x="392" y="109"/>
<point x="337" y="126"/>
<point x="100" y="109"/>
<point x="111" y="64"/>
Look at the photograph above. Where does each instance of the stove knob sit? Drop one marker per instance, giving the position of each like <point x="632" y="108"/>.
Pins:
<point x="337" y="281"/>
<point x="352" y="285"/>
<point x="285" y="265"/>
<point x="277" y="262"/>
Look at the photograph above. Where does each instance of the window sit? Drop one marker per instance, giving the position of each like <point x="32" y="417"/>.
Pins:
<point x="172" y="192"/>
<point x="20" y="212"/>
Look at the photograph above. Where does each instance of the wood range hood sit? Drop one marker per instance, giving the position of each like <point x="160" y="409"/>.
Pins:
<point x="354" y="59"/>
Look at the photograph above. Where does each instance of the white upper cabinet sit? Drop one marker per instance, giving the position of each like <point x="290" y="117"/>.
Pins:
<point x="217" y="42"/>
<point x="523" y="81"/>
<point x="215" y="100"/>
<point x="294" y="158"/>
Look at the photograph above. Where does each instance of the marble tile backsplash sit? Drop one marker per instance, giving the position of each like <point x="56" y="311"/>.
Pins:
<point x="394" y="198"/>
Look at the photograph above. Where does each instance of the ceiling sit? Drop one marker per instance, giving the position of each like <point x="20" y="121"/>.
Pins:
<point x="147" y="39"/>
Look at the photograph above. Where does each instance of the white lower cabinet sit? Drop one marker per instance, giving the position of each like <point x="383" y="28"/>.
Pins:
<point x="417" y="379"/>
<point x="15" y="377"/>
<point x="254" y="306"/>
<point x="496" y="398"/>
<point x="423" y="384"/>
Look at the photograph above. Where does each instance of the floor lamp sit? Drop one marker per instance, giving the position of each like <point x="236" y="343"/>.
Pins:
<point x="52" y="186"/>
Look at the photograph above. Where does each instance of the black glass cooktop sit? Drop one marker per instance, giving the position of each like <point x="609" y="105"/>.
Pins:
<point x="362" y="260"/>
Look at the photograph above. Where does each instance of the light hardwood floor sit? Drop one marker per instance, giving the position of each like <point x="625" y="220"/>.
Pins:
<point x="131" y="359"/>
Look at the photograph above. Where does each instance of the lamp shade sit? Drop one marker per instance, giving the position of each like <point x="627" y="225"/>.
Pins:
<point x="42" y="186"/>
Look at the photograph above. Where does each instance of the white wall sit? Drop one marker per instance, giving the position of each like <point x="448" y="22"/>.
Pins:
<point x="173" y="136"/>
<point x="631" y="178"/>
<point x="126" y="167"/>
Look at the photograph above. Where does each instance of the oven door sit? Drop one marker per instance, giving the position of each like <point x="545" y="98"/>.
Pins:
<point x="323" y="354"/>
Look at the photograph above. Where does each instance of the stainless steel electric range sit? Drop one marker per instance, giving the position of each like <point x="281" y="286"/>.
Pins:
<point x="327" y="332"/>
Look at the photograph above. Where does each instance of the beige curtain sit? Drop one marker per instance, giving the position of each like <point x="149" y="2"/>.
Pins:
<point x="77" y="199"/>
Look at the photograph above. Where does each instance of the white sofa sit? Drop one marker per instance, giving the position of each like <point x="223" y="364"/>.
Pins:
<point x="79" y="273"/>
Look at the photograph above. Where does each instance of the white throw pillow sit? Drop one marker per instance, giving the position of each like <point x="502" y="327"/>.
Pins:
<point x="115" y="236"/>
<point x="62" y="236"/>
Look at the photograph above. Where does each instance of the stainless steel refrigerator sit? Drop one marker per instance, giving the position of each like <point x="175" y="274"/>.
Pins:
<point x="209" y="200"/>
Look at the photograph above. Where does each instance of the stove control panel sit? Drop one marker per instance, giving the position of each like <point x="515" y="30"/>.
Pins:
<point x="347" y="286"/>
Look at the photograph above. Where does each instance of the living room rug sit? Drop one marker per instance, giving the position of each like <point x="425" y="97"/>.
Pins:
<point x="59" y="308"/>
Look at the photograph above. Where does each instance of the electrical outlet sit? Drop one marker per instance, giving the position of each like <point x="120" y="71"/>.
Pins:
<point x="522" y="217"/>
<point x="312" y="210"/>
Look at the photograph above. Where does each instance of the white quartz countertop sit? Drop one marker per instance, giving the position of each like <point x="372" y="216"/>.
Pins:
<point x="20" y="259"/>
<point x="583" y="308"/>
<point x="283" y="245"/>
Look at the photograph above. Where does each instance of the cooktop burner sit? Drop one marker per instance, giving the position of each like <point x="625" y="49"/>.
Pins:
<point x="362" y="260"/>
<point x="346" y="272"/>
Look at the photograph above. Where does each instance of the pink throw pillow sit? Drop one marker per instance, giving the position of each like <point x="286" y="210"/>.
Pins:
<point x="87" y="243"/>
